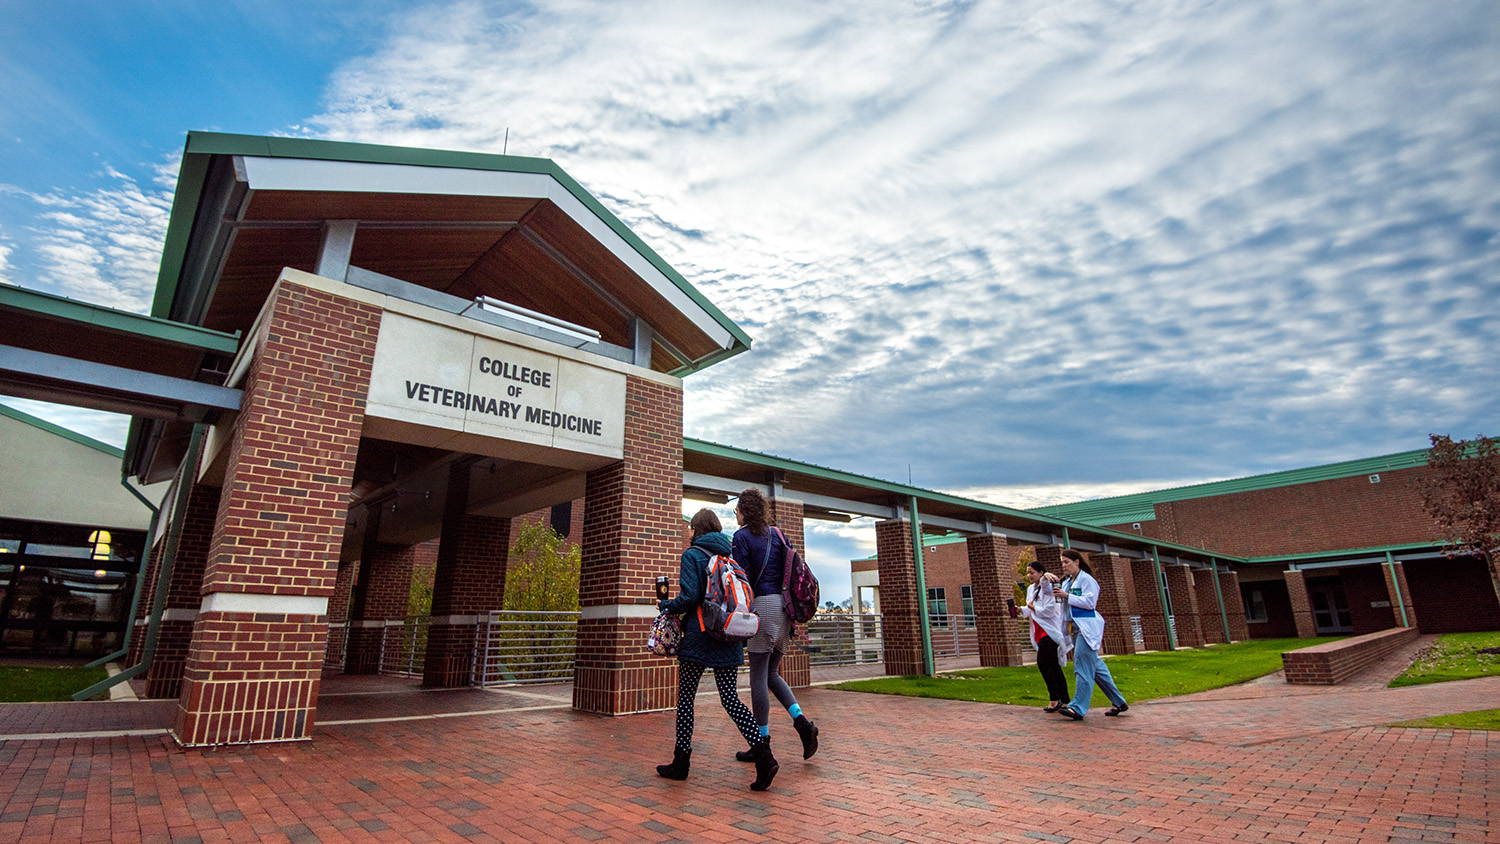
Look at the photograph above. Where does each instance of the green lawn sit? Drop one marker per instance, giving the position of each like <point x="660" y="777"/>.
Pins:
<point x="1139" y="676"/>
<point x="18" y="685"/>
<point x="1455" y="656"/>
<point x="1484" y="719"/>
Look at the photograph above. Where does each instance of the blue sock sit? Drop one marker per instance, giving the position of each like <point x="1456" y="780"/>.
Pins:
<point x="795" y="710"/>
<point x="765" y="730"/>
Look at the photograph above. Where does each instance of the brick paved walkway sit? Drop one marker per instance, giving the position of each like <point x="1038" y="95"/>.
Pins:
<point x="1254" y="765"/>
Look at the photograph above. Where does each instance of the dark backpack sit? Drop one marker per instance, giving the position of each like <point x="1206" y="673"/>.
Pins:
<point x="799" y="588"/>
<point x="725" y="612"/>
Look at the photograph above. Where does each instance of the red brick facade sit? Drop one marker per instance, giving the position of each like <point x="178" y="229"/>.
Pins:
<point x="1147" y="597"/>
<point x="253" y="676"/>
<point x="900" y="621"/>
<point x="1116" y="577"/>
<point x="632" y="534"/>
<point x="382" y="594"/>
<point x="184" y="595"/>
<point x="992" y="572"/>
<point x="786" y="514"/>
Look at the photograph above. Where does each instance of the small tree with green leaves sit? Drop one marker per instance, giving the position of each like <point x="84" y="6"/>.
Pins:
<point x="1462" y="493"/>
<point x="543" y="580"/>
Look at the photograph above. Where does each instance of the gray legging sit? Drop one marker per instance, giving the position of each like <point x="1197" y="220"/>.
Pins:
<point x="766" y="650"/>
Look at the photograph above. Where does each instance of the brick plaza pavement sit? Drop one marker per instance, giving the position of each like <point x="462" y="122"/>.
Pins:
<point x="1254" y="763"/>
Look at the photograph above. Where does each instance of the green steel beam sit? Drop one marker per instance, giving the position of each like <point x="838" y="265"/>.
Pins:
<point x="929" y="667"/>
<point x="1390" y="562"/>
<point x="1161" y="591"/>
<point x="1219" y="593"/>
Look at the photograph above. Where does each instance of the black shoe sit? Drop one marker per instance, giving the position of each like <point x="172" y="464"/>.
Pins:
<point x="1052" y="708"/>
<point x="678" y="770"/>
<point x="765" y="767"/>
<point x="809" y="733"/>
<point x="1118" y="709"/>
<point x="745" y="756"/>
<point x="1071" y="713"/>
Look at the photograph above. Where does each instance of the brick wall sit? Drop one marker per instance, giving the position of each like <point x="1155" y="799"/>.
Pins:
<point x="1453" y="596"/>
<point x="1334" y="662"/>
<point x="1296" y="590"/>
<point x="1148" y="604"/>
<point x="1320" y="516"/>
<point x="992" y="570"/>
<point x="164" y="677"/>
<point x="1211" y="622"/>
<point x="253" y="676"/>
<point x="786" y="514"/>
<point x="632" y="533"/>
<point x="901" y="622"/>
<point x="383" y="590"/>
<point x="469" y="581"/>
<point x="1229" y="584"/>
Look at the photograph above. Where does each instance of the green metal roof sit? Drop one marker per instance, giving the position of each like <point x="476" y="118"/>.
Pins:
<point x="59" y="307"/>
<point x="1140" y="507"/>
<point x="60" y="431"/>
<point x="202" y="145"/>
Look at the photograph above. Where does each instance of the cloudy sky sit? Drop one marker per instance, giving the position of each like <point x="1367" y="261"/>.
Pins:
<point x="1027" y="252"/>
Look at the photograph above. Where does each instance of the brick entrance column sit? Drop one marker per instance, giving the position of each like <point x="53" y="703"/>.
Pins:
<point x="1148" y="605"/>
<point x="1116" y="601"/>
<point x="257" y="648"/>
<point x="1234" y="606"/>
<point x="1400" y="596"/>
<point x="786" y="513"/>
<point x="468" y="583"/>
<point x="901" y="620"/>
<point x="1208" y="608"/>
<point x="180" y="608"/>
<point x="379" y="600"/>
<point x="632" y="533"/>
<point x="992" y="571"/>
<point x="1296" y="589"/>
<point x="1184" y="596"/>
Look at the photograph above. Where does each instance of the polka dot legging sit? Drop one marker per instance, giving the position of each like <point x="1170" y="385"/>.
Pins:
<point x="688" y="675"/>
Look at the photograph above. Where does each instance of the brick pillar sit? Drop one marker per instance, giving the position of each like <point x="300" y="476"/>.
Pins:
<point x="256" y="655"/>
<point x="164" y="677"/>
<point x="1234" y="606"/>
<point x="468" y="584"/>
<point x="786" y="513"/>
<point x="1400" y="597"/>
<point x="1148" y="605"/>
<point x="1050" y="556"/>
<point x="1184" y="597"/>
<point x="632" y="533"/>
<point x="901" y="620"/>
<point x="992" y="572"/>
<point x="1209" y="619"/>
<point x="1116" y="601"/>
<point x="1296" y="588"/>
<point x="338" y="614"/>
<point x="379" y="602"/>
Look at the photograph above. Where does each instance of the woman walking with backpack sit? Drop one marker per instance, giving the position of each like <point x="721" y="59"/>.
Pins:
<point x="699" y="651"/>
<point x="761" y="549"/>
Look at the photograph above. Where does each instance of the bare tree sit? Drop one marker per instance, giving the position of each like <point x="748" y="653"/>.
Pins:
<point x="1462" y="493"/>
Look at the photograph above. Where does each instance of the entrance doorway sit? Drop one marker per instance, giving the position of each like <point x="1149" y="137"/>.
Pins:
<point x="1329" y="607"/>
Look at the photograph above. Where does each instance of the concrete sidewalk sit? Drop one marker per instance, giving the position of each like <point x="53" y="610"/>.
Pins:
<point x="1257" y="766"/>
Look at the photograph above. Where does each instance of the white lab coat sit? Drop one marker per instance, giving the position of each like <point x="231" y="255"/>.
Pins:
<point x="1042" y="608"/>
<point x="1083" y="599"/>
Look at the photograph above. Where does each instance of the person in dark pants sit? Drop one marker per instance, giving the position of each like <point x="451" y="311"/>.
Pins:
<point x="1048" y="633"/>
<point x="699" y="651"/>
<point x="761" y="550"/>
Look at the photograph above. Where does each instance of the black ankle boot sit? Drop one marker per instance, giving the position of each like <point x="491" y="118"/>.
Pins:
<point x="678" y="770"/>
<point x="809" y="733"/>
<point x="745" y="756"/>
<point x="765" y="766"/>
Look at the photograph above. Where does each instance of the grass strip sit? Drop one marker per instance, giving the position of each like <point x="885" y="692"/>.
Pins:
<point x="1139" y="676"/>
<point x="1484" y="719"/>
<point x="23" y="685"/>
<point x="1455" y="656"/>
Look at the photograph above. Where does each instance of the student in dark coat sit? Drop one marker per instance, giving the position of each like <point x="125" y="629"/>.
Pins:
<point x="699" y="651"/>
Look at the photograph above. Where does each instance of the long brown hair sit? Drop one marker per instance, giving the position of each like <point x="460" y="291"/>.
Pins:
<point x="752" y="510"/>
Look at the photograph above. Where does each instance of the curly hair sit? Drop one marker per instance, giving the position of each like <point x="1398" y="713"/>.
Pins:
<point x="753" y="511"/>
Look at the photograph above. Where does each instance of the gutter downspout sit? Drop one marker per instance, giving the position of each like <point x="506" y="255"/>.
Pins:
<point x="928" y="667"/>
<point x="1161" y="590"/>
<point x="164" y="573"/>
<point x="1219" y="593"/>
<point x="140" y="576"/>
<point x="1390" y="562"/>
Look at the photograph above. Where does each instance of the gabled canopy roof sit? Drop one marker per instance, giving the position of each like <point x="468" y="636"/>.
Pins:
<point x="468" y="224"/>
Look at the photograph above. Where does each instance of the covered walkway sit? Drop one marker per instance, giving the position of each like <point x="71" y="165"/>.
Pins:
<point x="1248" y="763"/>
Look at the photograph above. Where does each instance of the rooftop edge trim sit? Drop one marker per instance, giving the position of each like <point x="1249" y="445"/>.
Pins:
<point x="58" y="430"/>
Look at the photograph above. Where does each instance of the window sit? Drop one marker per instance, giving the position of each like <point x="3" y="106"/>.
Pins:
<point x="937" y="607"/>
<point x="1255" y="606"/>
<point x="968" y="597"/>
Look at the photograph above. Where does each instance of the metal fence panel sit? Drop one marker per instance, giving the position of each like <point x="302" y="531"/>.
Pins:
<point x="518" y="646"/>
<point x="844" y="639"/>
<point x="403" y="649"/>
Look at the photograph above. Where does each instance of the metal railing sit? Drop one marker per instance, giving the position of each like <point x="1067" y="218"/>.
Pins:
<point x="844" y="639"/>
<point x="516" y="646"/>
<point x="955" y="635"/>
<point x="403" y="649"/>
